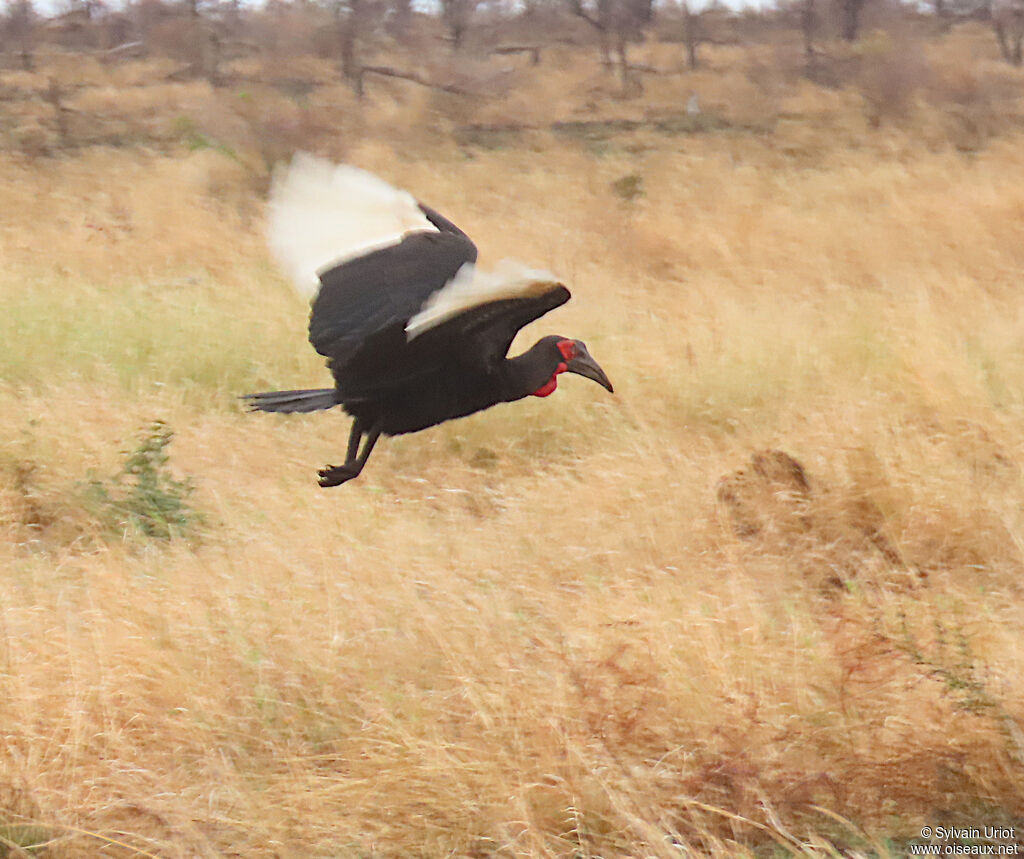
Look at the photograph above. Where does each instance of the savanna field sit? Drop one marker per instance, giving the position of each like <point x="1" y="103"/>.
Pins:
<point x="766" y="600"/>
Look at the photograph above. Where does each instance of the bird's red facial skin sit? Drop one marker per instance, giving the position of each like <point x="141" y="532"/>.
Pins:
<point x="548" y="388"/>
<point x="568" y="350"/>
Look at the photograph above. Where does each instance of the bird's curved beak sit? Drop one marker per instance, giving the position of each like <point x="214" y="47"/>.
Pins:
<point x="584" y="365"/>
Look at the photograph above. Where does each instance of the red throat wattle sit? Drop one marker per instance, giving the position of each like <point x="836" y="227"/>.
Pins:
<point x="568" y="350"/>
<point x="548" y="388"/>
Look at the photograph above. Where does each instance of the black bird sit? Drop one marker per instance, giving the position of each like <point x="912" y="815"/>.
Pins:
<point x="413" y="332"/>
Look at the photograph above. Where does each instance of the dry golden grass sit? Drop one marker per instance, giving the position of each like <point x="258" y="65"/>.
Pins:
<point x="537" y="631"/>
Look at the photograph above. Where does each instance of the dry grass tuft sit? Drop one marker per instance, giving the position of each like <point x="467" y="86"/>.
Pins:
<point x="833" y="534"/>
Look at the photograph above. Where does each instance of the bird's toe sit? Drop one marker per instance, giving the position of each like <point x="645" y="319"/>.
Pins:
<point x="334" y="475"/>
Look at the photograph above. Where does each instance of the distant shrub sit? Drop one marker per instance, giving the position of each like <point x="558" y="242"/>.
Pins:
<point x="144" y="496"/>
<point x="978" y="99"/>
<point x="629" y="187"/>
<point x="892" y="75"/>
<point x="271" y="121"/>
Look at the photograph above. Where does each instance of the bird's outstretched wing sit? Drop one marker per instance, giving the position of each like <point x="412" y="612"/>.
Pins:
<point x="321" y="214"/>
<point x="396" y="292"/>
<point x="373" y="294"/>
<point x="366" y="253"/>
<point x="488" y="328"/>
<point x="474" y="288"/>
<point x="445" y="313"/>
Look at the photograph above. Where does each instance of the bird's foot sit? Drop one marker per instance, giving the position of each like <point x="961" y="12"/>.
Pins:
<point x="335" y="475"/>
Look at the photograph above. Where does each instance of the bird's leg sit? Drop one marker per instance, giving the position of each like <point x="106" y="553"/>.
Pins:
<point x="354" y="438"/>
<point x="335" y="475"/>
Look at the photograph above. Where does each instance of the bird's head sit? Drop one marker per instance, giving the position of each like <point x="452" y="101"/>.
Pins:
<point x="555" y="355"/>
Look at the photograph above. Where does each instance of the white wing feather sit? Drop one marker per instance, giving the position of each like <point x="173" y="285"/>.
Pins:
<point x="472" y="287"/>
<point x="321" y="214"/>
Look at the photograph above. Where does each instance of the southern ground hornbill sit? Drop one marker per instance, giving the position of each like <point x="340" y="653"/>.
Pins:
<point x="414" y="333"/>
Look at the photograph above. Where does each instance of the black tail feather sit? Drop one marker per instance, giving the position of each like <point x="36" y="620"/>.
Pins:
<point x="292" y="401"/>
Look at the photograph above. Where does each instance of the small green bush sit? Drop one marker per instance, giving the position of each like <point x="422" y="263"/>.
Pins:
<point x="629" y="188"/>
<point x="144" y="496"/>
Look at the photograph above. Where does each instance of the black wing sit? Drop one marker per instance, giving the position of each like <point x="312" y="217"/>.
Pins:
<point x="491" y="328"/>
<point x="359" y="316"/>
<point x="365" y="296"/>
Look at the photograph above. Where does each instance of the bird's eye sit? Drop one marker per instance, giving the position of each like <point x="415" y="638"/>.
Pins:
<point x="567" y="348"/>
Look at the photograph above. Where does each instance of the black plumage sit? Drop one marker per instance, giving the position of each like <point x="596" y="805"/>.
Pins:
<point x="396" y="372"/>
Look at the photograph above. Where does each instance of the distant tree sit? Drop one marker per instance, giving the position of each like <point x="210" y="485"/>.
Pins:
<point x="457" y="15"/>
<point x="691" y="33"/>
<point x="617" y="23"/>
<point x="949" y="12"/>
<point x="348" y="16"/>
<point x="355" y="22"/>
<point x="74" y="28"/>
<point x="146" y="16"/>
<point x="1008" y="24"/>
<point x="714" y="24"/>
<point x="115" y="32"/>
<point x="19" y="29"/>
<point x="809" y="30"/>
<point x="399" y="18"/>
<point x="698" y="22"/>
<point x="201" y="42"/>
<point x="188" y="31"/>
<point x="849" y="18"/>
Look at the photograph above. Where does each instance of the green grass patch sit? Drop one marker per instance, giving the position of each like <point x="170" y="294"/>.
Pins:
<point x="198" y="336"/>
